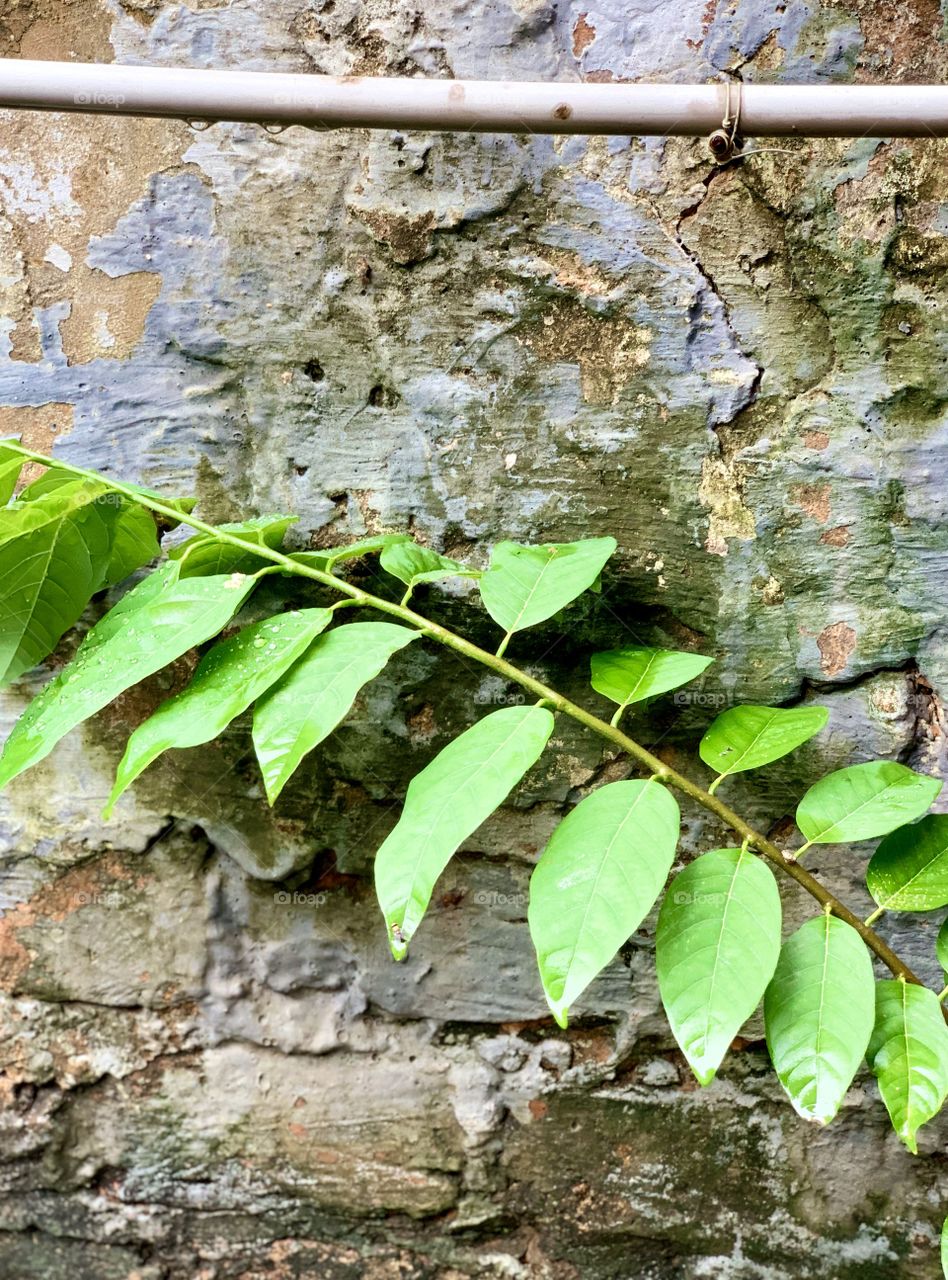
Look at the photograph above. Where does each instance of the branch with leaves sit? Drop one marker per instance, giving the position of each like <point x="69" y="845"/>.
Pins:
<point x="719" y="951"/>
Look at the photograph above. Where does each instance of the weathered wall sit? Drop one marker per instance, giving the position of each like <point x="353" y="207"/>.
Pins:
<point x="743" y="375"/>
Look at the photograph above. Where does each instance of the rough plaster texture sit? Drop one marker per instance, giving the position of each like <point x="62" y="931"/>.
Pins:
<point x="210" y="1068"/>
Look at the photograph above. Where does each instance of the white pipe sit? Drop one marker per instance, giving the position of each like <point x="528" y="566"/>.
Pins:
<point x="842" y="111"/>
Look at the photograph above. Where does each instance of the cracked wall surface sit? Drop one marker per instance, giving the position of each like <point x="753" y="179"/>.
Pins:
<point x="209" y="1066"/>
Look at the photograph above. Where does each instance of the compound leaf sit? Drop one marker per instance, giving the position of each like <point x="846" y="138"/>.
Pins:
<point x="909" y="870"/>
<point x="596" y="881"/>
<point x="908" y="1055"/>
<point x="445" y="804"/>
<point x="631" y="675"/>
<point x="819" y="1012"/>
<point x="716" y="948"/>
<point x="527" y="585"/>
<point x="227" y="680"/>
<point x="749" y="737"/>
<point x="864" y="800"/>
<point x="154" y="624"/>
<point x="316" y="693"/>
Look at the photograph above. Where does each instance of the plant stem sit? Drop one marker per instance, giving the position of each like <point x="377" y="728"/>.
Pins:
<point x="497" y="663"/>
<point x="942" y="994"/>
<point x="879" y="911"/>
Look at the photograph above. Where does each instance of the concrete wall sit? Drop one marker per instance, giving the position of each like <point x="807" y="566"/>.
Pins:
<point x="742" y="374"/>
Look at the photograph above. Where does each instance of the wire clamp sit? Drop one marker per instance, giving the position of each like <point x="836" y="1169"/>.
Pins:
<point x="726" y="143"/>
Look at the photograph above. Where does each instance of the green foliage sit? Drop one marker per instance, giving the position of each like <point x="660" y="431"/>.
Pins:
<point x="749" y="737"/>
<point x="527" y="585"/>
<point x="11" y="464"/>
<point x="54" y="556"/>
<point x="445" y="804"/>
<point x="327" y="560"/>
<point x="716" y="947"/>
<point x="941" y="946"/>
<point x="156" y="623"/>
<point x="415" y="565"/>
<point x="944" y="1248"/>
<point x="134" y="543"/>
<point x="203" y="556"/>
<point x="864" y="800"/>
<point x="596" y="881"/>
<point x="633" y="674"/>
<point x="908" y="1055"/>
<point x="70" y="534"/>
<point x="303" y="708"/>
<point x="909" y="870"/>
<point x="819" y="1011"/>
<point x="228" y="679"/>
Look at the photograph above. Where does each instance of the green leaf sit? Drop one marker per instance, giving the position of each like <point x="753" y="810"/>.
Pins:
<point x="716" y="948"/>
<point x="205" y="556"/>
<point x="55" y="477"/>
<point x="184" y="506"/>
<point x="317" y="693"/>
<point x="48" y="482"/>
<point x="908" y="1055"/>
<point x="944" y="1248"/>
<point x="328" y="558"/>
<point x="135" y="528"/>
<point x="54" y="555"/>
<point x="228" y="679"/>
<point x="864" y="800"/>
<point x="11" y="464"/>
<point x="941" y="945"/>
<point x="154" y="624"/>
<point x="909" y="870"/>
<point x="631" y="675"/>
<point x="134" y="542"/>
<point x="445" y="804"/>
<point x="527" y="585"/>
<point x="819" y="1012"/>
<point x="596" y="881"/>
<point x="749" y="737"/>
<point x="414" y="565"/>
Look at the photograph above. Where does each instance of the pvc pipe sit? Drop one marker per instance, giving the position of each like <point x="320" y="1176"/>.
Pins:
<point x="327" y="102"/>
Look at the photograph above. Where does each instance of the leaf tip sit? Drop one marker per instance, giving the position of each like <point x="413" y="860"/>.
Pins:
<point x="398" y="942"/>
